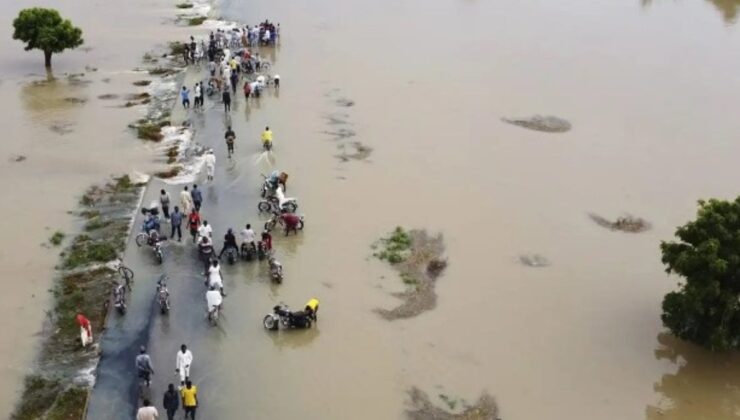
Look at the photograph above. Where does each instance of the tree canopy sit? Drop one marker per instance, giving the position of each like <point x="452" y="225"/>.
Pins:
<point x="45" y="30"/>
<point x="706" y="308"/>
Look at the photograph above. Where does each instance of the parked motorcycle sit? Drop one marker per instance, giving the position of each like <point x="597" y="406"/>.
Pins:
<point x="119" y="298"/>
<point x="276" y="270"/>
<point x="281" y="314"/>
<point x="154" y="241"/>
<point x="163" y="295"/>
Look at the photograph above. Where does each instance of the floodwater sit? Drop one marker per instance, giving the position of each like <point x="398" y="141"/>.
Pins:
<point x="68" y="146"/>
<point x="647" y="86"/>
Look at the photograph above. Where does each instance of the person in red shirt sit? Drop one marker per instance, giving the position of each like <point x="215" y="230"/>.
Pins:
<point x="267" y="240"/>
<point x="86" y="335"/>
<point x="291" y="222"/>
<point x="194" y="223"/>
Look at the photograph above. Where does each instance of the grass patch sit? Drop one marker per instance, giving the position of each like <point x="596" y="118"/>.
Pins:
<point x="172" y="172"/>
<point x="177" y="48"/>
<point x="142" y="83"/>
<point x="90" y="214"/>
<point x="70" y="405"/>
<point x="123" y="184"/>
<point x="196" y="21"/>
<point x="38" y="396"/>
<point x="162" y="71"/>
<point x="149" y="131"/>
<point x="57" y="238"/>
<point x="172" y="154"/>
<point x="395" y="248"/>
<point x="97" y="223"/>
<point x="184" y="5"/>
<point x="85" y="251"/>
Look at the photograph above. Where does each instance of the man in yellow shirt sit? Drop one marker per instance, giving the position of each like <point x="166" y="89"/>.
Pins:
<point x="267" y="138"/>
<point x="189" y="394"/>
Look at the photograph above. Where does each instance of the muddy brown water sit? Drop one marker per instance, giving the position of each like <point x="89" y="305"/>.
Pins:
<point x="647" y="86"/>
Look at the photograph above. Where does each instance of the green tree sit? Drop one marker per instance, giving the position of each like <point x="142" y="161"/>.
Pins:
<point x="45" y="30"/>
<point x="706" y="308"/>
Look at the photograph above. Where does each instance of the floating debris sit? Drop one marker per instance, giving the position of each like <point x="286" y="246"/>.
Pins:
<point x="628" y="223"/>
<point x="73" y="100"/>
<point x="17" y="158"/>
<point x="345" y="102"/>
<point x="547" y="124"/>
<point x="61" y="127"/>
<point x="108" y="96"/>
<point x="534" y="260"/>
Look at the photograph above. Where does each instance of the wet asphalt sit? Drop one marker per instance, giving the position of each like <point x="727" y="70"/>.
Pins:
<point x="228" y="201"/>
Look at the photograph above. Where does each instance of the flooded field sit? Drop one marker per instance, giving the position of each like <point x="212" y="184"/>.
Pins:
<point x="391" y="114"/>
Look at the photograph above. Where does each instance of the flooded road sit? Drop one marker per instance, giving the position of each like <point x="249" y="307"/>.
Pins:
<point x="646" y="86"/>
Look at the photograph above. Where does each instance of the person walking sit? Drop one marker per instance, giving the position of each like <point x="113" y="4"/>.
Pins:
<point x="194" y="223"/>
<point x="205" y="249"/>
<point x="185" y="96"/>
<point x="171" y="402"/>
<point x="144" y="366"/>
<point x="197" y="101"/>
<point x="226" y="96"/>
<point x="186" y="200"/>
<point x="164" y="200"/>
<point x="86" y="335"/>
<point x="230" y="137"/>
<point x="210" y="161"/>
<point x="183" y="362"/>
<point x="197" y="197"/>
<point x="147" y="412"/>
<point x="189" y="394"/>
<point x="247" y="90"/>
<point x="176" y="223"/>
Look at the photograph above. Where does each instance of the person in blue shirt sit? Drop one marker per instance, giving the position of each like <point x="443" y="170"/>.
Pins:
<point x="185" y="96"/>
<point x="197" y="197"/>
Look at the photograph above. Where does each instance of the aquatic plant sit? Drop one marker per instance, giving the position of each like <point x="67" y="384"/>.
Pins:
<point x="195" y="21"/>
<point x="57" y="238"/>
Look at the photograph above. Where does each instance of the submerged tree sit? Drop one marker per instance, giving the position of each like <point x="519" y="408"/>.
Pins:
<point x="45" y="30"/>
<point x="706" y="308"/>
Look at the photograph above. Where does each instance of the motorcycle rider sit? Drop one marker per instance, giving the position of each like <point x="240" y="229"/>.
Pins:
<point x="151" y="227"/>
<point x="267" y="138"/>
<point x="205" y="230"/>
<point x="214" y="278"/>
<point x="248" y="237"/>
<point x="276" y="179"/>
<point x="229" y="242"/>
<point x="291" y="222"/>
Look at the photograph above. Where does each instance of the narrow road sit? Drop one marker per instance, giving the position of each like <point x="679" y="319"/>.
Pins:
<point x="228" y="202"/>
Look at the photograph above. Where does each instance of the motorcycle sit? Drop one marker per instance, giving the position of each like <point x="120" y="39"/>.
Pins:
<point x="154" y="241"/>
<point x="231" y="255"/>
<point x="261" y="251"/>
<point x="119" y="298"/>
<point x="248" y="252"/>
<point x="277" y="220"/>
<point x="276" y="270"/>
<point x="214" y="304"/>
<point x="281" y="314"/>
<point x="163" y="295"/>
<point x="158" y="252"/>
<point x="278" y="202"/>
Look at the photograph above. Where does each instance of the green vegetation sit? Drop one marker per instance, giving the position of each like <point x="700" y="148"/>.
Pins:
<point x="172" y="172"/>
<point x="172" y="154"/>
<point x="149" y="131"/>
<point x="162" y="71"/>
<point x="97" y="223"/>
<point x="184" y="5"/>
<point x="38" y="396"/>
<point x="395" y="248"/>
<point x="70" y="405"/>
<point x="57" y="238"/>
<point x="142" y="83"/>
<point x="45" y="30"/>
<point x="84" y="251"/>
<point x="195" y="21"/>
<point x="706" y="308"/>
<point x="177" y="48"/>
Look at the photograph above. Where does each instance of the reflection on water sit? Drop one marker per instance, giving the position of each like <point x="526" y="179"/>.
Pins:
<point x="728" y="8"/>
<point x="702" y="388"/>
<point x="294" y="338"/>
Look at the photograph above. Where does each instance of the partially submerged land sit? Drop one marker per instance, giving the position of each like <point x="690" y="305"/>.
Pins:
<point x="627" y="223"/>
<point x="422" y="408"/>
<point x="59" y="385"/>
<point x="417" y="257"/>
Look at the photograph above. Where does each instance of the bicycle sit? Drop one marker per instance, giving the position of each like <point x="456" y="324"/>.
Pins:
<point x="127" y="274"/>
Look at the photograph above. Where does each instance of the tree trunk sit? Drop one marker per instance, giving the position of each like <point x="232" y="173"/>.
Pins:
<point x="47" y="59"/>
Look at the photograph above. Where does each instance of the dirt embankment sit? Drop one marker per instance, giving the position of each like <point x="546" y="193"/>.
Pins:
<point x="417" y="257"/>
<point x="60" y="382"/>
